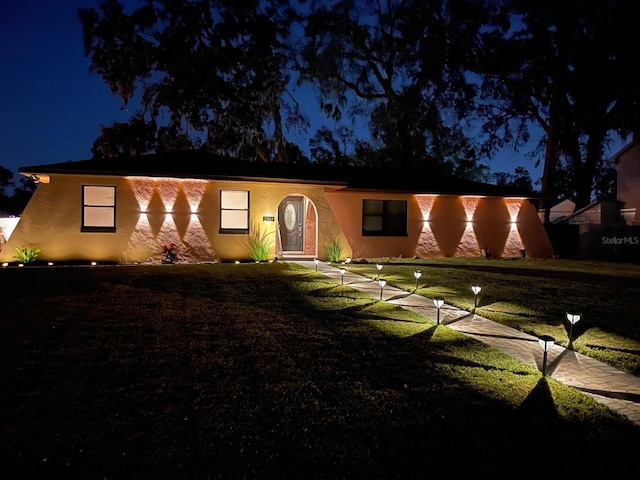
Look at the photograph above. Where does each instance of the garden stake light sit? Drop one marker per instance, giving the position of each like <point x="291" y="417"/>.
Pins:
<point x="379" y="267"/>
<point x="546" y="342"/>
<point x="382" y="283"/>
<point x="573" y="318"/>
<point x="348" y="261"/>
<point x="417" y="274"/>
<point x="342" y="270"/>
<point x="438" y="302"/>
<point x="316" y="261"/>
<point x="476" y="290"/>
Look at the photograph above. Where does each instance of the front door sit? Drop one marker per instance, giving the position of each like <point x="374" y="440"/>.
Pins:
<point x="291" y="220"/>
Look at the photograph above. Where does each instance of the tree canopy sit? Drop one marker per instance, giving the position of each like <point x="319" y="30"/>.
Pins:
<point x="438" y="83"/>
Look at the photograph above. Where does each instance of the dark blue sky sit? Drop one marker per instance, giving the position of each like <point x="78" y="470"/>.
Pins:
<point x="51" y="107"/>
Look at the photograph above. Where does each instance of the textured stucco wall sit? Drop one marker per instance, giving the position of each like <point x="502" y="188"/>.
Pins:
<point x="52" y="220"/>
<point x="152" y="212"/>
<point x="447" y="226"/>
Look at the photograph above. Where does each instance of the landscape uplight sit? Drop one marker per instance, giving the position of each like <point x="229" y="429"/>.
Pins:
<point x="546" y="342"/>
<point x="417" y="274"/>
<point x="316" y="261"/>
<point x="476" y="290"/>
<point x="379" y="267"/>
<point x="438" y="302"/>
<point x="573" y="318"/>
<point x="342" y="270"/>
<point x="382" y="282"/>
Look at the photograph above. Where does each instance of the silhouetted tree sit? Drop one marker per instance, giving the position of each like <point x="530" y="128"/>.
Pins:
<point x="567" y="69"/>
<point x="206" y="74"/>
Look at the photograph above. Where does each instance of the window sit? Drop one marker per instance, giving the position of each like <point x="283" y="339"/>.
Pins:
<point x="98" y="208"/>
<point x="384" y="218"/>
<point x="234" y="211"/>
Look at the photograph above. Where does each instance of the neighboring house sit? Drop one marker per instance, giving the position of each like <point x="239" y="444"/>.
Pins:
<point x="559" y="212"/>
<point x="606" y="229"/>
<point x="124" y="210"/>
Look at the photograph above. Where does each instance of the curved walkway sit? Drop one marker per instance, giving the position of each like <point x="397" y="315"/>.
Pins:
<point x="618" y="390"/>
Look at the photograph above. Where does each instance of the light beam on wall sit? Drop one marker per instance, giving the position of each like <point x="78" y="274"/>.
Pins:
<point x="513" y="245"/>
<point x="426" y="241"/>
<point x="194" y="191"/>
<point x="143" y="189"/>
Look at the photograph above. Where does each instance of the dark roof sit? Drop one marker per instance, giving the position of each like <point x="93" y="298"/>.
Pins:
<point x="203" y="165"/>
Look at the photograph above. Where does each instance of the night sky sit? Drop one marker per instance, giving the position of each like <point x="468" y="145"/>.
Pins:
<point x="51" y="107"/>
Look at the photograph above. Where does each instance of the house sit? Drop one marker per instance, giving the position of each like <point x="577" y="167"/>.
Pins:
<point x="125" y="210"/>
<point x="607" y="229"/>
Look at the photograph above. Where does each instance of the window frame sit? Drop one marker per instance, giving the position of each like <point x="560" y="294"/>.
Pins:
<point x="387" y="219"/>
<point x="242" y="230"/>
<point x="97" y="206"/>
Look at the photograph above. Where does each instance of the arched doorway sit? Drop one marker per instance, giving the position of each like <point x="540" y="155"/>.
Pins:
<point x="297" y="227"/>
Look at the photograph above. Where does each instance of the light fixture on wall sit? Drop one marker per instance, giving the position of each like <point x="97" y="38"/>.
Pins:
<point x="34" y="178"/>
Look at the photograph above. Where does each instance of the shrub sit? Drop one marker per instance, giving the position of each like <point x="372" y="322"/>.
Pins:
<point x="169" y="253"/>
<point x="333" y="251"/>
<point x="27" y="254"/>
<point x="260" y="246"/>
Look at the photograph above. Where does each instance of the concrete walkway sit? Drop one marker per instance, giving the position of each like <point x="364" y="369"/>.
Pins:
<point x="618" y="390"/>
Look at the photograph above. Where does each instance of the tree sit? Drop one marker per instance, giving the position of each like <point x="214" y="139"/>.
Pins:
<point x="400" y="64"/>
<point x="566" y="68"/>
<point x="206" y="74"/>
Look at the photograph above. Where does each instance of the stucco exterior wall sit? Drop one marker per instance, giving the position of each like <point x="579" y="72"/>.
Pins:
<point x="447" y="226"/>
<point x="153" y="212"/>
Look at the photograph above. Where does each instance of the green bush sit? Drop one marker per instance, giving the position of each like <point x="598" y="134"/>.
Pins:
<point x="26" y="254"/>
<point x="333" y="251"/>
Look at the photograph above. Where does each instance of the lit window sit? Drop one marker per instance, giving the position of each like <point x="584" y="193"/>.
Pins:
<point x="98" y="208"/>
<point x="234" y="211"/>
<point x="384" y="218"/>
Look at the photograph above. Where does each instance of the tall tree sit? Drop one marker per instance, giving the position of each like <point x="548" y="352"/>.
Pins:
<point x="567" y="69"/>
<point x="400" y="64"/>
<point x="205" y="73"/>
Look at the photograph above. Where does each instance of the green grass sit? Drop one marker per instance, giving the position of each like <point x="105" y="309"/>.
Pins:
<point x="267" y="371"/>
<point x="534" y="296"/>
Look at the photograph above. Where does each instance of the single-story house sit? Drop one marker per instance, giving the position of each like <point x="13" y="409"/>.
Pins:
<point x="124" y="210"/>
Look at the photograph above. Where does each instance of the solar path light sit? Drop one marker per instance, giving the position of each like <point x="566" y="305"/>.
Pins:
<point x="476" y="290"/>
<point x="417" y="274"/>
<point x="316" y="261"/>
<point x="573" y="318"/>
<point x="438" y="302"/>
<point x="379" y="267"/>
<point x="382" y="282"/>
<point x="342" y="270"/>
<point x="546" y="342"/>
